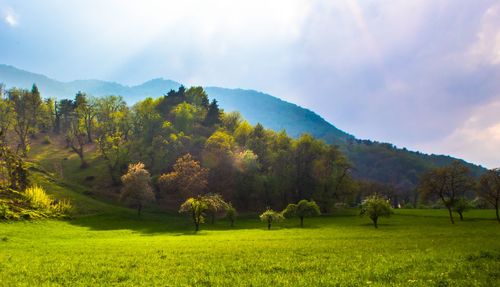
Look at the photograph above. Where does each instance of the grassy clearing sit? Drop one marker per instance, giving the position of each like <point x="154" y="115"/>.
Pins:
<point x="413" y="248"/>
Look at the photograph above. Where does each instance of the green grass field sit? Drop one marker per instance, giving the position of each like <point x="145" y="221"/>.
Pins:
<point x="106" y="244"/>
<point x="413" y="248"/>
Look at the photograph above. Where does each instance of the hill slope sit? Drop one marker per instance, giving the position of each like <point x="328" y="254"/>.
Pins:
<point x="381" y="162"/>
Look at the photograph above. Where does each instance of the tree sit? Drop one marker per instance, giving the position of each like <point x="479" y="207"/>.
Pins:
<point x="303" y="208"/>
<point x="137" y="189"/>
<point x="231" y="213"/>
<point x="213" y="114"/>
<point x="188" y="177"/>
<point x="489" y="189"/>
<point x="271" y="216"/>
<point x="215" y="205"/>
<point x="449" y="183"/>
<point x="461" y="205"/>
<point x="114" y="151"/>
<point x="374" y="207"/>
<point x="86" y="109"/>
<point x="184" y="116"/>
<point x="196" y="207"/>
<point x="6" y="117"/>
<point x="76" y="138"/>
<point x="306" y="151"/>
<point x="26" y="105"/>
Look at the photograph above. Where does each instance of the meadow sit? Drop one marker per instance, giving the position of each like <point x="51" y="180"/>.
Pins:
<point x="109" y="245"/>
<point x="412" y="248"/>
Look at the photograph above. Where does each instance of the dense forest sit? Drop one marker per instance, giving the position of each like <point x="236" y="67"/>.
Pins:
<point x="189" y="147"/>
<point x="373" y="161"/>
<point x="187" y="144"/>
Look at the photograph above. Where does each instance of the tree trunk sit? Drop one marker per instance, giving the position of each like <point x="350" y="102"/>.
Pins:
<point x="498" y="217"/>
<point x="269" y="225"/>
<point x="451" y="216"/>
<point x="375" y="219"/>
<point x="213" y="218"/>
<point x="232" y="223"/>
<point x="302" y="221"/>
<point x="139" y="208"/>
<point x="89" y="133"/>
<point x="112" y="174"/>
<point x="461" y="215"/>
<point x="196" y="226"/>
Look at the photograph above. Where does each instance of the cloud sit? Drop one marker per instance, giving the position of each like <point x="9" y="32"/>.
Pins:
<point x="476" y="140"/>
<point x="11" y="18"/>
<point x="408" y="72"/>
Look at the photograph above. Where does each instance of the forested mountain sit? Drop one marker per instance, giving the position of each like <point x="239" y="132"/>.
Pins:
<point x="381" y="162"/>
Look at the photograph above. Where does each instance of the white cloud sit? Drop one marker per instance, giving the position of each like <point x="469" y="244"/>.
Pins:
<point x="11" y="18"/>
<point x="476" y="140"/>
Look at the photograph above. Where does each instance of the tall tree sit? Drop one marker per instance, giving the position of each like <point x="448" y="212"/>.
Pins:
<point x="188" y="177"/>
<point x="86" y="109"/>
<point x="450" y="184"/>
<point x="489" y="189"/>
<point x="213" y="116"/>
<point x="137" y="190"/>
<point x="26" y="105"/>
<point x="76" y="138"/>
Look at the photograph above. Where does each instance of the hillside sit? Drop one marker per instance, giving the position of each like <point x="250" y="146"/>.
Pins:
<point x="381" y="162"/>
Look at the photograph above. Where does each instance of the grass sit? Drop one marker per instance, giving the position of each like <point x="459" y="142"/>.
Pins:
<point x="413" y="248"/>
<point x="106" y="244"/>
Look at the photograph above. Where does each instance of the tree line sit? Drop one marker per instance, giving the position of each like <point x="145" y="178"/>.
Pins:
<point x="190" y="147"/>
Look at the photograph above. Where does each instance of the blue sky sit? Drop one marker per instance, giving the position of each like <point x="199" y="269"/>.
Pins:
<point x="420" y="74"/>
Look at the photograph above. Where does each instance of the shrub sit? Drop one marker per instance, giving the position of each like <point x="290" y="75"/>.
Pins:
<point x="271" y="216"/>
<point x="39" y="200"/>
<point x="303" y="208"/>
<point x="376" y="206"/>
<point x="196" y="207"/>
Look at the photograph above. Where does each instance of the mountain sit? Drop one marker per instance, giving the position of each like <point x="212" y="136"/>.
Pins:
<point x="381" y="162"/>
<point x="13" y="77"/>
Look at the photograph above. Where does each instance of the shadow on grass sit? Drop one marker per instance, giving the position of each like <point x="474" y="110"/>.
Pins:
<point x="150" y="223"/>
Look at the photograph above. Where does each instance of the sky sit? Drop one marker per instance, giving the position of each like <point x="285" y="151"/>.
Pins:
<point x="421" y="74"/>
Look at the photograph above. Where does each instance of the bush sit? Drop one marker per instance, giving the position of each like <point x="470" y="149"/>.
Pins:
<point x="38" y="199"/>
<point x="376" y="206"/>
<point x="271" y="216"/>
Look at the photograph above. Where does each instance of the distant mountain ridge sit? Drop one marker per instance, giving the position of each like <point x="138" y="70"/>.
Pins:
<point x="376" y="161"/>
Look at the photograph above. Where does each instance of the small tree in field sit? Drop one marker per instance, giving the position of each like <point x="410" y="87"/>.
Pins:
<point x="374" y="207"/>
<point x="231" y="213"/>
<point x="303" y="208"/>
<point x="137" y="190"/>
<point x="489" y="189"/>
<point x="215" y="205"/>
<point x="196" y="207"/>
<point x="271" y="216"/>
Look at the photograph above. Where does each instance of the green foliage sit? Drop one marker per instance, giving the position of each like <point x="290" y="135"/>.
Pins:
<point x="137" y="190"/>
<point x="376" y="206"/>
<point x="196" y="207"/>
<point x="215" y="205"/>
<point x="303" y="208"/>
<point x="448" y="184"/>
<point x="271" y="216"/>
